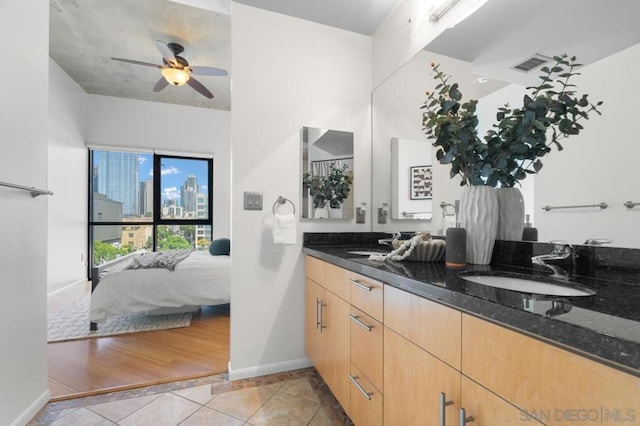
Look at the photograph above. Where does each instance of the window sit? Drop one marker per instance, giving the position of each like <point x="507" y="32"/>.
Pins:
<point x="144" y="201"/>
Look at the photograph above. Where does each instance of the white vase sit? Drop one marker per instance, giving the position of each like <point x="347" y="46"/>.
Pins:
<point x="479" y="216"/>
<point x="510" y="214"/>
<point x="320" y="212"/>
<point x="335" y="213"/>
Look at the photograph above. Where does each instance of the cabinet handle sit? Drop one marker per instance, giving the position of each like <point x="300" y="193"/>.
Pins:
<point x="362" y="286"/>
<point x="357" y="320"/>
<point x="354" y="380"/>
<point x="463" y="417"/>
<point x="443" y="405"/>
<point x="317" y="317"/>
<point x="321" y="319"/>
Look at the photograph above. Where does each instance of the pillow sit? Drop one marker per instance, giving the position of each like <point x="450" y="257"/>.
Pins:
<point x="221" y="246"/>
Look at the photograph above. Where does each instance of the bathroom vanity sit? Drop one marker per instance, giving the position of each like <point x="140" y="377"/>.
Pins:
<point x="402" y="343"/>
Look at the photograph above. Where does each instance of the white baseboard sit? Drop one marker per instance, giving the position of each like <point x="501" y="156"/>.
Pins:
<point x="263" y="370"/>
<point x="66" y="287"/>
<point x="33" y="409"/>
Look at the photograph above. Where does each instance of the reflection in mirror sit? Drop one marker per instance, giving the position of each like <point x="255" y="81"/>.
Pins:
<point x="327" y="174"/>
<point x="598" y="165"/>
<point x="397" y="120"/>
<point x="411" y="179"/>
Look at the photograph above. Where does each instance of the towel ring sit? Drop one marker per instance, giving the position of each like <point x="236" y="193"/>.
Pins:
<point x="280" y="201"/>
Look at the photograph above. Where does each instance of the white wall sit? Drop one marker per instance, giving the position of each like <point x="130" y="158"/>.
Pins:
<point x="174" y="128"/>
<point x="67" y="227"/>
<point x="24" y="25"/>
<point x="287" y="73"/>
<point x="600" y="164"/>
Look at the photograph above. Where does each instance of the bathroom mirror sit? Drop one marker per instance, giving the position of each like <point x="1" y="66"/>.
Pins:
<point x="327" y="174"/>
<point x="595" y="166"/>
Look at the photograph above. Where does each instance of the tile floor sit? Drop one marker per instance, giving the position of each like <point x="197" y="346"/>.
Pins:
<point x="292" y="398"/>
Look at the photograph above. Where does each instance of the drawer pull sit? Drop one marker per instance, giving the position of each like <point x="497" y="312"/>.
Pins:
<point x="362" y="286"/>
<point x="463" y="417"/>
<point x="357" y="320"/>
<point x="443" y="405"/>
<point x="317" y="314"/>
<point x="354" y="380"/>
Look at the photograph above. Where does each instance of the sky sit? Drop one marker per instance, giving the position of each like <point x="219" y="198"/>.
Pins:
<point x="174" y="172"/>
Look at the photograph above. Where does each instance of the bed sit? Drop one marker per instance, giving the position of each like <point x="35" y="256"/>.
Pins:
<point x="200" y="279"/>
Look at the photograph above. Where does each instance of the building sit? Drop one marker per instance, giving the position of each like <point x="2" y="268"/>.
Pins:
<point x="118" y="178"/>
<point x="188" y="194"/>
<point x="145" y="198"/>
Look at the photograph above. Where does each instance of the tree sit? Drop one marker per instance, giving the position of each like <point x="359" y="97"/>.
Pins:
<point x="104" y="252"/>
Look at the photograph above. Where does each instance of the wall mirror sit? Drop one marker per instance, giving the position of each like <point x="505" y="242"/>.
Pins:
<point x="327" y="174"/>
<point x="579" y="175"/>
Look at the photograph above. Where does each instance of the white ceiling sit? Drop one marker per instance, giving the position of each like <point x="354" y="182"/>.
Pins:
<point x="358" y="16"/>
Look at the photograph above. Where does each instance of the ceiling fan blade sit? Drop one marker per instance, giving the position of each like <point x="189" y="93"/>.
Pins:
<point x="131" y="61"/>
<point x="167" y="54"/>
<point x="161" y="84"/>
<point x="198" y="87"/>
<point x="217" y="72"/>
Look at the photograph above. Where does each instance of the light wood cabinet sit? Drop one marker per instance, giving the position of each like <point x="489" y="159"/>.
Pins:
<point x="554" y="385"/>
<point x="413" y="381"/>
<point x="327" y="339"/>
<point x="432" y="326"/>
<point x="404" y="351"/>
<point x="366" y="346"/>
<point x="366" y="400"/>
<point x="367" y="295"/>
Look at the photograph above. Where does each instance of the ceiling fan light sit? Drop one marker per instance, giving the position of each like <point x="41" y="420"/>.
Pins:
<point x="175" y="76"/>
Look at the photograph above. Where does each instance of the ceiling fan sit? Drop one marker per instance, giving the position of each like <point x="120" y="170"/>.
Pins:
<point x="176" y="70"/>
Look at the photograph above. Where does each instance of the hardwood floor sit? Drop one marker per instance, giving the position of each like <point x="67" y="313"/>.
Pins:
<point x="99" y="365"/>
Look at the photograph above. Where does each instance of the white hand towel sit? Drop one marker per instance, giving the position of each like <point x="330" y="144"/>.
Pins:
<point x="422" y="216"/>
<point x="284" y="228"/>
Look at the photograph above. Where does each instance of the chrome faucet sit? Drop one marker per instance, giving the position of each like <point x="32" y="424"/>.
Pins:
<point x="597" y="241"/>
<point x="389" y="241"/>
<point x="562" y="250"/>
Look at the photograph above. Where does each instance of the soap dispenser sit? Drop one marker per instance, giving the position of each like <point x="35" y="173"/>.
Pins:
<point x="456" y="241"/>
<point x="529" y="233"/>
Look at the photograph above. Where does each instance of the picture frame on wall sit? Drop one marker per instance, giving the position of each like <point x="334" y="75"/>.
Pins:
<point x="421" y="182"/>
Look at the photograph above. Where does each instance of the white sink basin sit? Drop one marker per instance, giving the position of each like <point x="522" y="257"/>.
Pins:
<point x="366" y="252"/>
<point x="524" y="285"/>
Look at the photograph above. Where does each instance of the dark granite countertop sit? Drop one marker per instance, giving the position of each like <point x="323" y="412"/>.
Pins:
<point x="604" y="326"/>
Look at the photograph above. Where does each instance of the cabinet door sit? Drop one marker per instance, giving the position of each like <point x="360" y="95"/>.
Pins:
<point x="336" y="347"/>
<point x="312" y="337"/>
<point x="366" y="400"/>
<point x="413" y="381"/>
<point x="556" y="386"/>
<point x="486" y="408"/>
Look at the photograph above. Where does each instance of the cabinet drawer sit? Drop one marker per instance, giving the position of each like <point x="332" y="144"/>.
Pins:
<point x="366" y="401"/>
<point x="433" y="327"/>
<point x="544" y="380"/>
<point x="366" y="295"/>
<point x="366" y="346"/>
<point x="336" y="280"/>
<point x="313" y="269"/>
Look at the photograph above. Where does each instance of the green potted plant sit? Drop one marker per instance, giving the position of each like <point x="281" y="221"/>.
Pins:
<point x="316" y="187"/>
<point x="337" y="187"/>
<point x="511" y="150"/>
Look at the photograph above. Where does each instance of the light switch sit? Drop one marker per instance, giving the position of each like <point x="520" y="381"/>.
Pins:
<point x="252" y="200"/>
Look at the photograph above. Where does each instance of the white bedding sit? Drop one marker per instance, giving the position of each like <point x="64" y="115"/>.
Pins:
<point x="200" y="279"/>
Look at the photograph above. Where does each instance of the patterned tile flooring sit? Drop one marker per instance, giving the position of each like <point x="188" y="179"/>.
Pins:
<point x="292" y="398"/>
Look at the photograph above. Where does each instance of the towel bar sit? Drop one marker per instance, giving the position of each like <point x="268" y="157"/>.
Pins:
<point x="602" y="205"/>
<point x="34" y="191"/>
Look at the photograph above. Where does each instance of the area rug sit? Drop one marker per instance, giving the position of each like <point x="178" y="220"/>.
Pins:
<point x="72" y="322"/>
